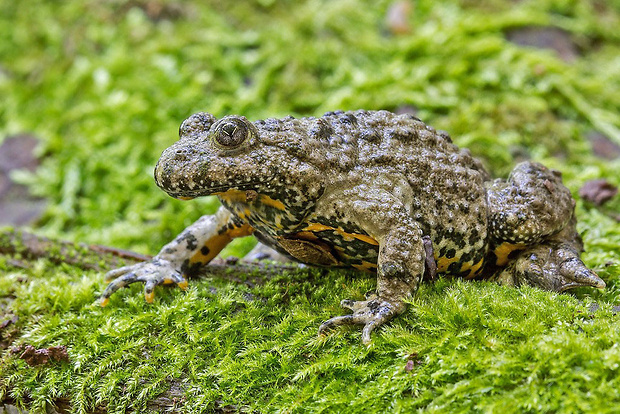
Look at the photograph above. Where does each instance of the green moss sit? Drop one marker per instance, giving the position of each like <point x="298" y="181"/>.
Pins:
<point x="477" y="346"/>
<point x="105" y="85"/>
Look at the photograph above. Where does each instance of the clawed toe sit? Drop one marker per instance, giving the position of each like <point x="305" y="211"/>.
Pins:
<point x="334" y="322"/>
<point x="351" y="305"/>
<point x="368" y="328"/>
<point x="149" y="288"/>
<point x="576" y="273"/>
<point x="115" y="285"/>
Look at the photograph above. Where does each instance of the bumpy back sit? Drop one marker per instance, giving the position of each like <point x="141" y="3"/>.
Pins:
<point x="343" y="140"/>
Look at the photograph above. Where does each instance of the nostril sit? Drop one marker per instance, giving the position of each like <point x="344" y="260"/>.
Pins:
<point x="180" y="154"/>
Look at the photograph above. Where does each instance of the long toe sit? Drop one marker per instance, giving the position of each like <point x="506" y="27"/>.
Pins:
<point x="114" y="273"/>
<point x="334" y="322"/>
<point x="149" y="290"/>
<point x="575" y="272"/>
<point x="115" y="285"/>
<point x="368" y="328"/>
<point x="556" y="267"/>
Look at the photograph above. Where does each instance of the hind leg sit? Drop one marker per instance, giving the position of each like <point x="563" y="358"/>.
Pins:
<point x="529" y="206"/>
<point x="532" y="211"/>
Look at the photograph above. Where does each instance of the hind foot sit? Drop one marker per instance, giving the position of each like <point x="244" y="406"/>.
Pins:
<point x="553" y="266"/>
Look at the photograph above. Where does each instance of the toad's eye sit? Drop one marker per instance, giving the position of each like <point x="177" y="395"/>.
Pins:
<point x="231" y="133"/>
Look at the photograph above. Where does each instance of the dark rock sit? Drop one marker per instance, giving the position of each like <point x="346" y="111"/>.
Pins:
<point x="598" y="192"/>
<point x="17" y="206"/>
<point x="602" y="146"/>
<point x="545" y="38"/>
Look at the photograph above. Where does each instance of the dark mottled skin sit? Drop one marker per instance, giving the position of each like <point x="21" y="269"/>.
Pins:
<point x="371" y="190"/>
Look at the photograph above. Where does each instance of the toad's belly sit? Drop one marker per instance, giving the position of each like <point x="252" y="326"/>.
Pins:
<point x="325" y="245"/>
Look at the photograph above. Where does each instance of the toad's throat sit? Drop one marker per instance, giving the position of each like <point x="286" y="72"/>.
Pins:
<point x="238" y="196"/>
<point x="202" y="191"/>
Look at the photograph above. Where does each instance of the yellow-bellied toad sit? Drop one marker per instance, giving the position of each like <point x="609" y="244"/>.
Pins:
<point x="370" y="190"/>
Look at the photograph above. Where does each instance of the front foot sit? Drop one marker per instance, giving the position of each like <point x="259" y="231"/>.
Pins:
<point x="152" y="273"/>
<point x="371" y="313"/>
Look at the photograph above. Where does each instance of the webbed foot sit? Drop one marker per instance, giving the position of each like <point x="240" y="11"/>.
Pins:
<point x="151" y="273"/>
<point x="551" y="266"/>
<point x="372" y="313"/>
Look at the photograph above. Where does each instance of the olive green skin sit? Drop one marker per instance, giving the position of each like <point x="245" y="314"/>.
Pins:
<point x="371" y="190"/>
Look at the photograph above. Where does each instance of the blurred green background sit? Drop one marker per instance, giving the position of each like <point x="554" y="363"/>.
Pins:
<point x="105" y="84"/>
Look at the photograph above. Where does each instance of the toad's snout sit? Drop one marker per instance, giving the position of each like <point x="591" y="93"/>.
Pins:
<point x="177" y="170"/>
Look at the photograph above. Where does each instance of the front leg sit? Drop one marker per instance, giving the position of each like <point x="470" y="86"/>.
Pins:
<point x="400" y="265"/>
<point x="197" y="245"/>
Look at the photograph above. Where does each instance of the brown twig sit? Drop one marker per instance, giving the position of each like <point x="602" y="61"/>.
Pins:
<point x="22" y="248"/>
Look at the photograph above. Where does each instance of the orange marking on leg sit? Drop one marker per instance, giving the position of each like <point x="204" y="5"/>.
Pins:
<point x="215" y="244"/>
<point x="242" y="231"/>
<point x="211" y="247"/>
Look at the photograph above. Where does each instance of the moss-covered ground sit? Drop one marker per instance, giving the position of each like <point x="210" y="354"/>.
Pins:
<point x="105" y="84"/>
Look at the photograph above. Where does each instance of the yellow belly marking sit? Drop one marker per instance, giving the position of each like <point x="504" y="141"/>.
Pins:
<point x="473" y="268"/>
<point x="347" y="236"/>
<point x="443" y="263"/>
<point x="503" y="251"/>
<point x="268" y="201"/>
<point x="238" y="196"/>
<point x="233" y="196"/>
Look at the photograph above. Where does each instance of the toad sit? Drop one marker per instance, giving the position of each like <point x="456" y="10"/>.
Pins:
<point x="369" y="190"/>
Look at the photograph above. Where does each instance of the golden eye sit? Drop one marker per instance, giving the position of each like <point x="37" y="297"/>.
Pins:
<point x="231" y="133"/>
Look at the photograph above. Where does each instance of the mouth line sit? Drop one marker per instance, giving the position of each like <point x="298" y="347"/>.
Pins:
<point x="204" y="192"/>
